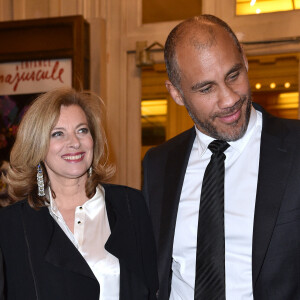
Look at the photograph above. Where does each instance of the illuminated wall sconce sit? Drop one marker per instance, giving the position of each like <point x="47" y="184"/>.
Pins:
<point x="258" y="86"/>
<point x="287" y="85"/>
<point x="273" y="85"/>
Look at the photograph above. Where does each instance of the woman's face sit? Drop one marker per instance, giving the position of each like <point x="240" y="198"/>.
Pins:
<point x="70" y="151"/>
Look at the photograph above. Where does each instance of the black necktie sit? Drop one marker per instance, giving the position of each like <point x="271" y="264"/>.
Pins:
<point x="210" y="257"/>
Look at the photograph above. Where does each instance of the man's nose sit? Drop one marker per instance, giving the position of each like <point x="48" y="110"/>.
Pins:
<point x="227" y="97"/>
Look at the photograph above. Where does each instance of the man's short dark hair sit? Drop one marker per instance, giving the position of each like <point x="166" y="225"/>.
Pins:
<point x="175" y="37"/>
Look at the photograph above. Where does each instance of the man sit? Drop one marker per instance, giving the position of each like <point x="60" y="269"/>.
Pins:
<point x="207" y="72"/>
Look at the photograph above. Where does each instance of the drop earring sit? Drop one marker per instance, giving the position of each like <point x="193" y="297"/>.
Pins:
<point x="40" y="181"/>
<point x="90" y="171"/>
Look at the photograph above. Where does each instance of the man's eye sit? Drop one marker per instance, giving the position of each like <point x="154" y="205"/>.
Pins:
<point x="205" y="90"/>
<point x="56" y="134"/>
<point x="233" y="75"/>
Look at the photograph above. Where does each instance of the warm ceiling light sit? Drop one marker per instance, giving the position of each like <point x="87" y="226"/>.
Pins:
<point x="273" y="85"/>
<point x="287" y="85"/>
<point x="154" y="107"/>
<point x="247" y="7"/>
<point x="258" y="86"/>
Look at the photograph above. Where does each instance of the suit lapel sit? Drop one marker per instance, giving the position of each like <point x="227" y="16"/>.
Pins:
<point x="49" y="238"/>
<point x="275" y="163"/>
<point x="62" y="253"/>
<point x="122" y="242"/>
<point x="174" y="175"/>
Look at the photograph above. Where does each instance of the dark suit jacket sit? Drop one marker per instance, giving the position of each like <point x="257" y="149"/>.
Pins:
<point x="276" y="233"/>
<point x="1" y="278"/>
<point x="40" y="262"/>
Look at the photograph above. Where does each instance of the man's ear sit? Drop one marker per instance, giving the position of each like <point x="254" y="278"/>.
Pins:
<point x="174" y="92"/>
<point x="245" y="60"/>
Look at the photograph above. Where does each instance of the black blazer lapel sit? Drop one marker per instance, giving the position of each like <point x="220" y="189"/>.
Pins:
<point x="275" y="163"/>
<point x="131" y="241"/>
<point x="176" y="165"/>
<point x="122" y="242"/>
<point x="62" y="253"/>
<point x="50" y="239"/>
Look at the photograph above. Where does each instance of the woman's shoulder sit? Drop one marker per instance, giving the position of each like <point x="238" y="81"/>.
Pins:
<point x="120" y="187"/>
<point x="12" y="208"/>
<point x="11" y="217"/>
<point x="13" y="213"/>
<point x="122" y="190"/>
<point x="124" y="197"/>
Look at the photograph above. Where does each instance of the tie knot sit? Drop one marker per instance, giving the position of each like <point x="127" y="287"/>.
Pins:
<point x="218" y="146"/>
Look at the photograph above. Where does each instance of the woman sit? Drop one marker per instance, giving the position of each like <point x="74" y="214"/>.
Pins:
<point x="69" y="235"/>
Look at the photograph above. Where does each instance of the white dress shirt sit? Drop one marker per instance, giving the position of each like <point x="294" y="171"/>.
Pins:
<point x="241" y="173"/>
<point x="91" y="231"/>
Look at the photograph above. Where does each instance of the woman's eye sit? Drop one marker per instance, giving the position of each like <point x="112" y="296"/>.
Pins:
<point x="56" y="134"/>
<point x="83" y="130"/>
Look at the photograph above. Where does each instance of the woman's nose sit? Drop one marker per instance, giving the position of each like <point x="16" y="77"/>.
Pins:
<point x="74" y="141"/>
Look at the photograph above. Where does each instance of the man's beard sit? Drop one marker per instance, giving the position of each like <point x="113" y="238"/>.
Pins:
<point x="210" y="129"/>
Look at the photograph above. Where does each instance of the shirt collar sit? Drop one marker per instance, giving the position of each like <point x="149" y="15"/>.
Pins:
<point x="52" y="204"/>
<point x="89" y="205"/>
<point x="95" y="204"/>
<point x="204" y="140"/>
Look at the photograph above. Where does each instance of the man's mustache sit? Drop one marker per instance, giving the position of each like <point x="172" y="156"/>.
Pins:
<point x="230" y="110"/>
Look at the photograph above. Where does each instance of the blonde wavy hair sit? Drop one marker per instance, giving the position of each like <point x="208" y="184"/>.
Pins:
<point x="32" y="144"/>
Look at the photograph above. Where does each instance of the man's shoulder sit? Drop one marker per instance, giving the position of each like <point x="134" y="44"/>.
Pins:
<point x="291" y="123"/>
<point x="278" y="126"/>
<point x="281" y="126"/>
<point x="182" y="138"/>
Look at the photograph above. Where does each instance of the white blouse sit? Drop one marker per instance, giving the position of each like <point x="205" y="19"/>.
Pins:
<point x="91" y="231"/>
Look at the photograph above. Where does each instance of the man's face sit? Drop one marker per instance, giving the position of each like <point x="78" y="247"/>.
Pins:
<point x="214" y="86"/>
